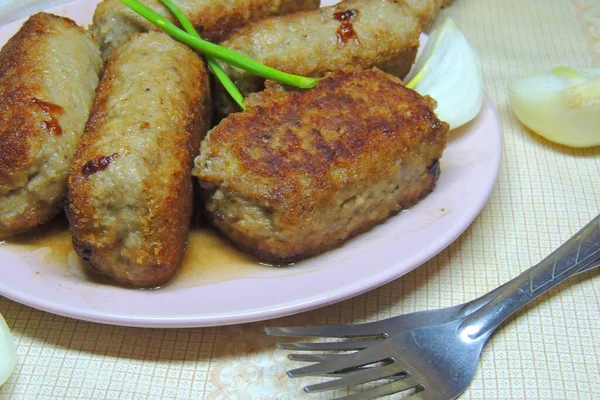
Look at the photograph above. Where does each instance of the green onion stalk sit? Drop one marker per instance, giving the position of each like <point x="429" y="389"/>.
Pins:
<point x="212" y="63"/>
<point x="219" y="52"/>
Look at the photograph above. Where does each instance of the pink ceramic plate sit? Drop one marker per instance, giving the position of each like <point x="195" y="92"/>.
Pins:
<point x="251" y="292"/>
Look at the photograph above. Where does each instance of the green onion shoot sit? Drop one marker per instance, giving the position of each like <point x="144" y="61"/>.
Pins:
<point x="219" y="52"/>
<point x="212" y="63"/>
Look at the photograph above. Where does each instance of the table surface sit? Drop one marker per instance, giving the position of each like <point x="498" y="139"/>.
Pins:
<point x="545" y="193"/>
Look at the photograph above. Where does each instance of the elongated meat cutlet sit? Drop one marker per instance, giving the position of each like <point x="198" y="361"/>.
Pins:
<point x="130" y="187"/>
<point x="48" y="73"/>
<point x="353" y="33"/>
<point x="300" y="172"/>
<point x="114" y="22"/>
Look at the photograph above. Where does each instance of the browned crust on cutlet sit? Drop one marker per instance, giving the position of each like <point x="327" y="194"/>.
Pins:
<point x="29" y="118"/>
<point x="401" y="65"/>
<point x="217" y="25"/>
<point x="308" y="43"/>
<point x="20" y="130"/>
<point x="114" y="22"/>
<point x="403" y="55"/>
<point x="163" y="221"/>
<point x="295" y="155"/>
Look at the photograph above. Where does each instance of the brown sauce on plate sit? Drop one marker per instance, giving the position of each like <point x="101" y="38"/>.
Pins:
<point x="209" y="257"/>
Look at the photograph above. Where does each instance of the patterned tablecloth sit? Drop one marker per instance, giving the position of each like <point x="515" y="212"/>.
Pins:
<point x="545" y="193"/>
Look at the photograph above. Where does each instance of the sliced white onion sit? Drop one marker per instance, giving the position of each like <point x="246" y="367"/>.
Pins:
<point x="563" y="105"/>
<point x="449" y="71"/>
<point x="8" y="352"/>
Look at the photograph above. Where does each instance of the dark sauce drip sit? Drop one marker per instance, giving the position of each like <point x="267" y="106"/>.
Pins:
<point x="52" y="124"/>
<point x="346" y="30"/>
<point x="99" y="164"/>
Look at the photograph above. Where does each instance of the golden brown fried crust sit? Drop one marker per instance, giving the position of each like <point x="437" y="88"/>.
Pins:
<point x="161" y="211"/>
<point x="299" y="155"/>
<point x="114" y="22"/>
<point x="32" y="126"/>
<point x="402" y="43"/>
<point x="220" y="22"/>
<point x="383" y="34"/>
<point x="19" y="127"/>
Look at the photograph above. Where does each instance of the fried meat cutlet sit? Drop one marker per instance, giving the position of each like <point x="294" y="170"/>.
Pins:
<point x="358" y="33"/>
<point x="48" y="73"/>
<point x="130" y="187"/>
<point x="301" y="172"/>
<point x="114" y="22"/>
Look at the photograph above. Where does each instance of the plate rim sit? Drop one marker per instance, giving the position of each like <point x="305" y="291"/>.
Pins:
<point x="292" y="307"/>
<point x="281" y="310"/>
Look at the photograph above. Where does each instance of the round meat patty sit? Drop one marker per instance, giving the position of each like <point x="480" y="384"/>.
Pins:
<point x="300" y="172"/>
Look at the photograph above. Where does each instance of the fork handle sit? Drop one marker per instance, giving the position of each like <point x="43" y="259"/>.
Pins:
<point x="578" y="254"/>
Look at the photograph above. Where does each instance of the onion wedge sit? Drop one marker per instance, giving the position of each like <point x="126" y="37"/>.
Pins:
<point x="8" y="352"/>
<point x="449" y="71"/>
<point x="563" y="105"/>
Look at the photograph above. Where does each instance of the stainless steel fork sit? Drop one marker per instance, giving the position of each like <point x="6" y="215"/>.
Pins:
<point x="434" y="353"/>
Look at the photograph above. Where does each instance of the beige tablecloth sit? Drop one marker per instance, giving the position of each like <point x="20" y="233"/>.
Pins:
<point x="545" y="193"/>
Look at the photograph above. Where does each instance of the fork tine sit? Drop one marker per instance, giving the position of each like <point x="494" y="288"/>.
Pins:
<point x="363" y="376"/>
<point x="328" y="346"/>
<point x="422" y="395"/>
<point x="313" y="357"/>
<point x="376" y="328"/>
<point x="382" y="328"/>
<point x="326" y="357"/>
<point x="347" y="361"/>
<point x="384" y="390"/>
<point x="316" y="357"/>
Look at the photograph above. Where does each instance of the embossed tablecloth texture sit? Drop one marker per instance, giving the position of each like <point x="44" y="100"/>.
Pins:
<point x="545" y="193"/>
